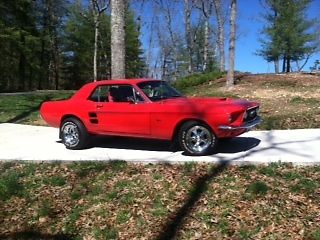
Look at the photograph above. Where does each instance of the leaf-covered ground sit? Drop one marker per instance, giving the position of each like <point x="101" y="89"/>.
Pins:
<point x="130" y="201"/>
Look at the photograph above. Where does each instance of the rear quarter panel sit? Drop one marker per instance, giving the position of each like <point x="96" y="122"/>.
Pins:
<point x="54" y="111"/>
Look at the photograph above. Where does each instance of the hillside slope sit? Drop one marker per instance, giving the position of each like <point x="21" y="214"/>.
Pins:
<point x="288" y="101"/>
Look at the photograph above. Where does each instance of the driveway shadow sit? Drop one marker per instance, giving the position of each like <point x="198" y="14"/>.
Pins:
<point x="235" y="145"/>
<point x="238" y="144"/>
<point x="130" y="143"/>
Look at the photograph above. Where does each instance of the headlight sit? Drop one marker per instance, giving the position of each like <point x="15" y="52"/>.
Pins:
<point x="250" y="114"/>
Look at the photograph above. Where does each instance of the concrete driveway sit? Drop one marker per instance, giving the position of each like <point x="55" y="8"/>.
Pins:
<point x="23" y="142"/>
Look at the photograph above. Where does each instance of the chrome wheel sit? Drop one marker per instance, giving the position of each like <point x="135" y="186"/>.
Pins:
<point x="198" y="139"/>
<point x="74" y="134"/>
<point x="70" y="134"/>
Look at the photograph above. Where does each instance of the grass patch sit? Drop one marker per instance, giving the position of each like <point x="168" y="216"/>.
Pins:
<point x="56" y="181"/>
<point x="159" y="210"/>
<point x="271" y="170"/>
<point x="10" y="185"/>
<point x="188" y="167"/>
<point x="70" y="224"/>
<point x="257" y="188"/>
<point x="305" y="185"/>
<point x="291" y="175"/>
<point x="45" y="209"/>
<point x="24" y="108"/>
<point x="123" y="217"/>
<point x="280" y="84"/>
<point x="314" y="235"/>
<point x="107" y="233"/>
<point x="85" y="168"/>
<point x="307" y="101"/>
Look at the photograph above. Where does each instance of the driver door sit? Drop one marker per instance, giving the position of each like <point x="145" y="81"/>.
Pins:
<point x="120" y="110"/>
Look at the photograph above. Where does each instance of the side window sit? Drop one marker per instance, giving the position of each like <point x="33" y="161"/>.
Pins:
<point x="115" y="93"/>
<point x="100" y="94"/>
<point x="123" y="93"/>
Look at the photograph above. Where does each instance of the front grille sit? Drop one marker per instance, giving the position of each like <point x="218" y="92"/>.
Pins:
<point x="251" y="114"/>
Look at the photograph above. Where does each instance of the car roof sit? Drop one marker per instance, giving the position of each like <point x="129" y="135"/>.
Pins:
<point x="122" y="81"/>
<point x="89" y="87"/>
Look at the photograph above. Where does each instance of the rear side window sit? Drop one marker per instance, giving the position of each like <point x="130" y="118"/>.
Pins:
<point x="100" y="94"/>
<point x="115" y="93"/>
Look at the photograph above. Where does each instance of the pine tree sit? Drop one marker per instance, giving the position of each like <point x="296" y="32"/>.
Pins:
<point x="287" y="33"/>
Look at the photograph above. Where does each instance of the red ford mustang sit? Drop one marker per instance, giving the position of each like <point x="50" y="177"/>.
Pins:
<point x="148" y="109"/>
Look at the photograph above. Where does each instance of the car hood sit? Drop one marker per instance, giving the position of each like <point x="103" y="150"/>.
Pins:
<point x="211" y="104"/>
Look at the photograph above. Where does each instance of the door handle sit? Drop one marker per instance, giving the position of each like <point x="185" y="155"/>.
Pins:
<point x="99" y="106"/>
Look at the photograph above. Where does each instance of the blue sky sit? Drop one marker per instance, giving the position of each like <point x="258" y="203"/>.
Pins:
<point x="250" y="24"/>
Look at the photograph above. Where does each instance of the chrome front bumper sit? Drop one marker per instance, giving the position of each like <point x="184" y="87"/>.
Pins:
<point x="247" y="126"/>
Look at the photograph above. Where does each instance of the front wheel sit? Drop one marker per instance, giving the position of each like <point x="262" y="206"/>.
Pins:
<point x="197" y="139"/>
<point x="73" y="134"/>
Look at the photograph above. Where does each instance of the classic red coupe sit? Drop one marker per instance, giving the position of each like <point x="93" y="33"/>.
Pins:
<point x="151" y="109"/>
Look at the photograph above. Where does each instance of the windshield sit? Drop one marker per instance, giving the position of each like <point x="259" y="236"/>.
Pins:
<point x="158" y="90"/>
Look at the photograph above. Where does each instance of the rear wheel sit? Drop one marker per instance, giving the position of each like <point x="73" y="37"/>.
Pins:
<point x="73" y="134"/>
<point x="197" y="139"/>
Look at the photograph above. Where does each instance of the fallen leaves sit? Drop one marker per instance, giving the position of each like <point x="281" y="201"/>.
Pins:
<point x="139" y="201"/>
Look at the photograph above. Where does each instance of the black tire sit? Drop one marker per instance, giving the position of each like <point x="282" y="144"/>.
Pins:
<point x="196" y="139"/>
<point x="73" y="134"/>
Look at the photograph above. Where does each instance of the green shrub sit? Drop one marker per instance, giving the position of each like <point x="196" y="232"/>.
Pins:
<point x="196" y="79"/>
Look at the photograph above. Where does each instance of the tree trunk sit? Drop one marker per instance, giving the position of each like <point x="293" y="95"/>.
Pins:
<point x="206" y="45"/>
<point x="98" y="8"/>
<point x="56" y="61"/>
<point x="187" y="16"/>
<point x="42" y="65"/>
<point x="117" y="39"/>
<point x="288" y="65"/>
<point x="22" y="64"/>
<point x="284" y="64"/>
<point x="276" y="66"/>
<point x="232" y="41"/>
<point x="305" y="62"/>
<point x="218" y="10"/>
<point x="95" y="50"/>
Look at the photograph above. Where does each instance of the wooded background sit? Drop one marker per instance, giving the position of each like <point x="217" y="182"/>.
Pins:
<point x="57" y="44"/>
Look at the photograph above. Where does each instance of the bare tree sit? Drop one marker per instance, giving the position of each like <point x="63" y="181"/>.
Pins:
<point x="98" y="6"/>
<point x="118" y="39"/>
<point x="167" y="8"/>
<point x="188" y="33"/>
<point x="232" y="41"/>
<point x="220" y="41"/>
<point x="206" y="7"/>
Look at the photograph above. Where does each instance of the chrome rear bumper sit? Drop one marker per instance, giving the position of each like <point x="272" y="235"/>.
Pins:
<point x="247" y="126"/>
